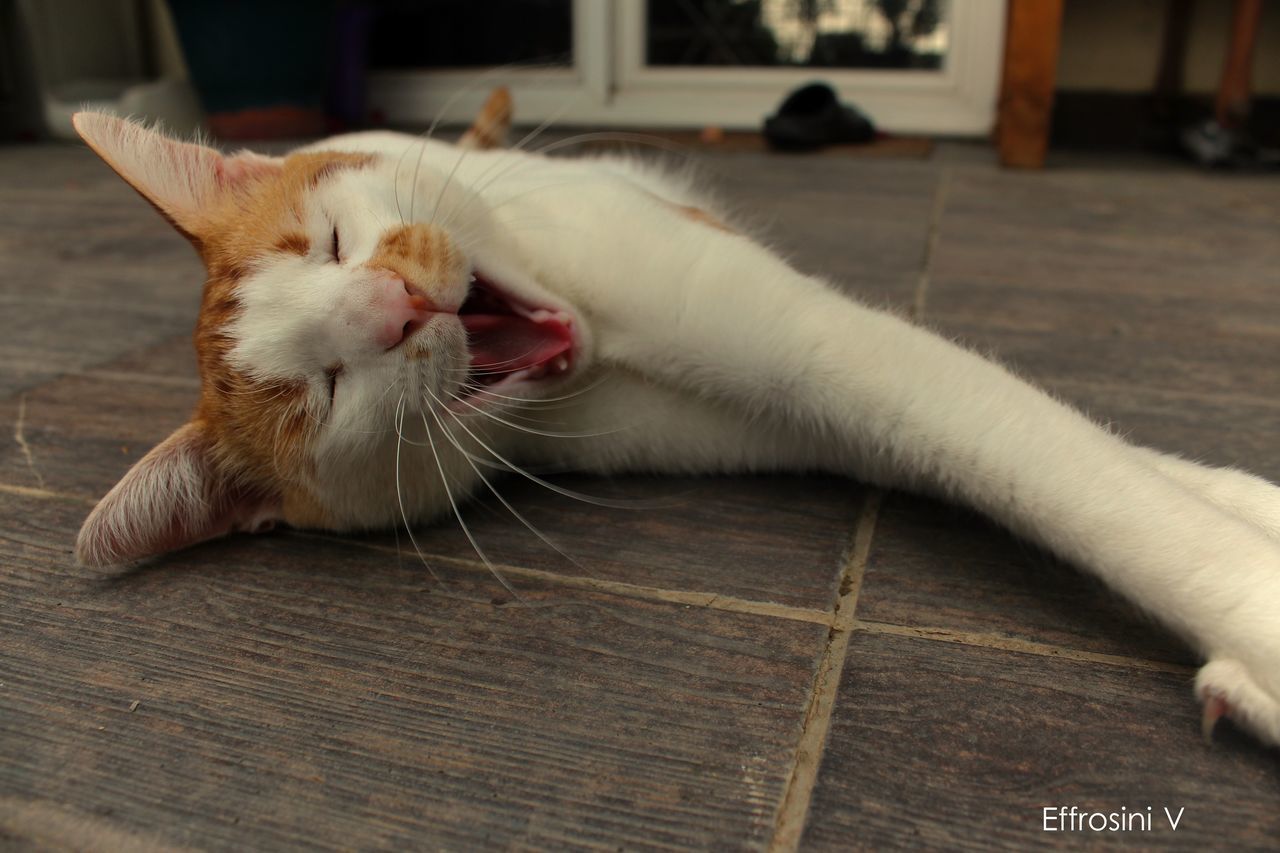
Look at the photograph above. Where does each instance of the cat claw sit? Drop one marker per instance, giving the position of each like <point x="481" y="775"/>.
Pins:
<point x="1228" y="689"/>
<point x="1215" y="708"/>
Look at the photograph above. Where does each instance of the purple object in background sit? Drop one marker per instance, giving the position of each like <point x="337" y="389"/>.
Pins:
<point x="348" y="101"/>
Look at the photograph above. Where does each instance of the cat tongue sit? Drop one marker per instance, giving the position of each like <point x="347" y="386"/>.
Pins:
<point x="509" y="342"/>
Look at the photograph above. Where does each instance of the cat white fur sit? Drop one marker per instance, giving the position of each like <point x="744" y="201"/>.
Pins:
<point x="719" y="357"/>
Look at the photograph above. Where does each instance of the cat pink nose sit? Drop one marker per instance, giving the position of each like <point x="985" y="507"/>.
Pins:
<point x="400" y="310"/>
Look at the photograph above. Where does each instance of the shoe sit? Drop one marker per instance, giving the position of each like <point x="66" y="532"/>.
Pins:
<point x="812" y="116"/>
<point x="1210" y="144"/>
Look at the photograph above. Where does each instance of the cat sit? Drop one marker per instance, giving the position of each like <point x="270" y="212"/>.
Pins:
<point x="379" y="307"/>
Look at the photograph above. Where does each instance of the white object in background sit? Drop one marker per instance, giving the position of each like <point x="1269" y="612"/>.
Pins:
<point x="610" y="82"/>
<point x="171" y="101"/>
<point x="92" y="54"/>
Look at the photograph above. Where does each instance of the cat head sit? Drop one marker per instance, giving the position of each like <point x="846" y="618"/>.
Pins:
<point x="329" y="319"/>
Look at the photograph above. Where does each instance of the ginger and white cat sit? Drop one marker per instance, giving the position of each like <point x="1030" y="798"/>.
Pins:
<point x="379" y="308"/>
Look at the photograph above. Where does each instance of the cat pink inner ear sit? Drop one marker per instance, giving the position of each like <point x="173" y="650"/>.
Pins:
<point x="169" y="500"/>
<point x="181" y="179"/>
<point x="247" y="166"/>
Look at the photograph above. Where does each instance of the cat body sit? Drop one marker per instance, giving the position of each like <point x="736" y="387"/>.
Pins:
<point x="386" y="319"/>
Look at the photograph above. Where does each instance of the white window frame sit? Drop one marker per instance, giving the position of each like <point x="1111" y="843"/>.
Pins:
<point x="609" y="83"/>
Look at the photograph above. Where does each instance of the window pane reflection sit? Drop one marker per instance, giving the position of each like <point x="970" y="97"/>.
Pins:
<point x="890" y="34"/>
<point x="467" y="33"/>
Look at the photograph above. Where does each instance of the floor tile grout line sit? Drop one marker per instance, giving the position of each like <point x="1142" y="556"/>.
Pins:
<point x="734" y="604"/>
<point x="793" y="808"/>
<point x="1013" y="644"/>
<point x="921" y="292"/>
<point x="692" y="598"/>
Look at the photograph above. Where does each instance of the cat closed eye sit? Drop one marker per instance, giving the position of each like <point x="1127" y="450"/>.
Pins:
<point x="334" y="247"/>
<point x="331" y="376"/>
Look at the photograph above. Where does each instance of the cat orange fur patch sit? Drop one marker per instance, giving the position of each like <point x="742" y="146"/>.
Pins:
<point x="493" y="122"/>
<point x="293" y="244"/>
<point x="697" y="214"/>
<point x="248" y="222"/>
<point x="418" y="253"/>
<point x="263" y="427"/>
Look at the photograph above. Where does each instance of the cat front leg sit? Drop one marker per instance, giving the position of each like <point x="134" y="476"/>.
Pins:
<point x="1252" y="498"/>
<point x="1225" y="686"/>
<point x="723" y="318"/>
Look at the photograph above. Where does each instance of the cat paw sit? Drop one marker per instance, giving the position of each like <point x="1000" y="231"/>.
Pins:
<point x="1226" y="689"/>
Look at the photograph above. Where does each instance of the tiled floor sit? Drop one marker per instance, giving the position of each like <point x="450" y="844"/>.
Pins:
<point x="758" y="662"/>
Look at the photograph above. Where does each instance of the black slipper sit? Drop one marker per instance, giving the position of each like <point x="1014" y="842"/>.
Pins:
<point x="812" y="116"/>
<point x="1210" y="144"/>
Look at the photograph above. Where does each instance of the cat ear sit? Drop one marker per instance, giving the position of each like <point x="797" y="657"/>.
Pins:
<point x="171" y="499"/>
<point x="180" y="179"/>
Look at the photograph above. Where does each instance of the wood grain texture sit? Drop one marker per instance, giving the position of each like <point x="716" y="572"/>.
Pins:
<point x="295" y="691"/>
<point x="1159" y="280"/>
<point x="172" y="360"/>
<point x="83" y="432"/>
<point x="767" y="539"/>
<point x="323" y="695"/>
<point x="780" y="539"/>
<point x="862" y="226"/>
<point x="939" y="566"/>
<point x="1227" y="430"/>
<point x="960" y="749"/>
<point x="1032" y="34"/>
<point x="90" y="273"/>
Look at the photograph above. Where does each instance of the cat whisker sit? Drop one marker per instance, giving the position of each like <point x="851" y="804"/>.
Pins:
<point x="534" y="404"/>
<point x="375" y="217"/>
<point x="537" y="400"/>
<point x="484" y="558"/>
<point x="489" y="123"/>
<point x="422" y="146"/>
<point x="493" y="368"/>
<point x="435" y="209"/>
<point x="524" y="140"/>
<point x="329" y="425"/>
<point x="399" y="425"/>
<point x="395" y="180"/>
<point x="489" y="367"/>
<point x="276" y="455"/>
<point x="523" y="414"/>
<point x="532" y="430"/>
<point x="472" y="372"/>
<point x="440" y="114"/>
<point x="511" y="466"/>
<point x="594" y="136"/>
<point x="514" y="512"/>
<point x="281" y="389"/>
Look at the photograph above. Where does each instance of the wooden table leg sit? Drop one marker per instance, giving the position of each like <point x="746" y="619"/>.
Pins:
<point x="1232" y="104"/>
<point x="1026" y="95"/>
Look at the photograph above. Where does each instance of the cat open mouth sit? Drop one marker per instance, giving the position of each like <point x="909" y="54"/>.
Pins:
<point x="510" y="340"/>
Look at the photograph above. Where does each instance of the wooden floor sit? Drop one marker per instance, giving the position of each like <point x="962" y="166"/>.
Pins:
<point x="760" y="662"/>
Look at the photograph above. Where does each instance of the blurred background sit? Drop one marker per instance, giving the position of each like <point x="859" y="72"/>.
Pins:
<point x="1197" y="78"/>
